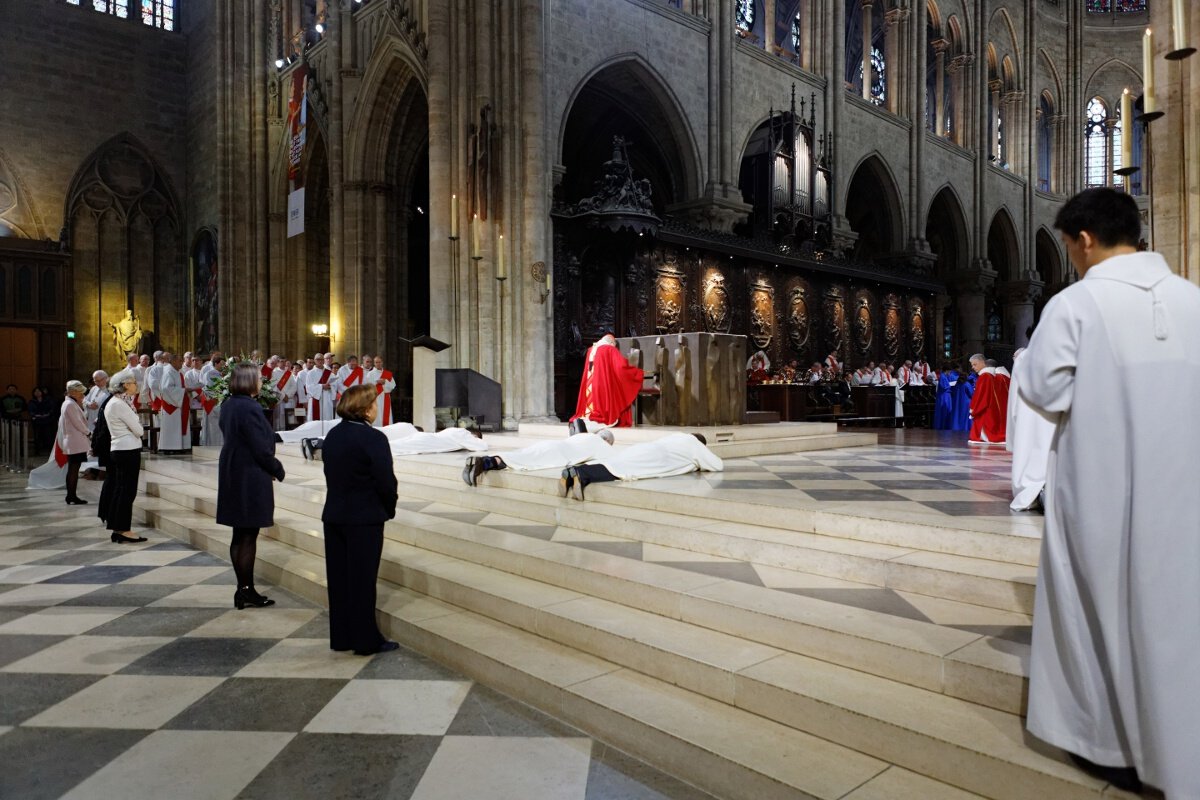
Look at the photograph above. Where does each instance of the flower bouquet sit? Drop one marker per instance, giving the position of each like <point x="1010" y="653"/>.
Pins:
<point x="218" y="387"/>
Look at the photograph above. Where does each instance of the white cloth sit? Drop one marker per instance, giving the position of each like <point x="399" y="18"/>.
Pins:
<point x="50" y="475"/>
<point x="301" y="391"/>
<point x="559" y="454"/>
<point x="320" y="397"/>
<point x="210" y="430"/>
<point x="123" y="425"/>
<point x="279" y="412"/>
<point x="1116" y="624"/>
<point x="149" y="384"/>
<point x="1030" y="433"/>
<point x="169" y="389"/>
<point x="673" y="454"/>
<point x="309" y="430"/>
<point x="446" y="441"/>
<point x="191" y="381"/>
<point x="95" y="396"/>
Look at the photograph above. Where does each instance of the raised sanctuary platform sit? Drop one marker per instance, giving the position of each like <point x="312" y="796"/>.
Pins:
<point x="848" y="623"/>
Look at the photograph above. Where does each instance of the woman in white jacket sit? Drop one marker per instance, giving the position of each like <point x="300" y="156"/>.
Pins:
<point x="125" y="460"/>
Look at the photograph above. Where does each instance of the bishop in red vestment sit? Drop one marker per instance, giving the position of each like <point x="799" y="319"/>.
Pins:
<point x="609" y="385"/>
<point x="989" y="405"/>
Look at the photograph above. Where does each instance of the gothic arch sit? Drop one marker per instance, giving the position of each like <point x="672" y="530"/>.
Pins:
<point x="874" y="209"/>
<point x="947" y="232"/>
<point x="1048" y="259"/>
<point x="627" y="86"/>
<point x="394" y="87"/>
<point x="1003" y="248"/>
<point x="1108" y="79"/>
<point x="1012" y="46"/>
<point x="17" y="213"/>
<point x="1053" y="73"/>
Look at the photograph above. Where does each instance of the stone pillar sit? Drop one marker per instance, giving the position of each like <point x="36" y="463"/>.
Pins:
<point x="919" y="100"/>
<point x="994" y="113"/>
<point x="970" y="298"/>
<point x="897" y="83"/>
<point x="768" y="7"/>
<point x="939" y="87"/>
<point x="1015" y="138"/>
<point x="1019" y="299"/>
<point x="1058" y="152"/>
<point x="1111" y="124"/>
<point x="867" y="41"/>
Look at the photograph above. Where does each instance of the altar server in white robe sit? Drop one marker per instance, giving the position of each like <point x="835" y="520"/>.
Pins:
<point x="385" y="384"/>
<point x="95" y="397"/>
<point x="281" y="374"/>
<point x="673" y="454"/>
<point x="147" y="388"/>
<point x="1030" y="433"/>
<point x="210" y="431"/>
<point x="174" y="407"/>
<point x="579" y="448"/>
<point x="320" y="386"/>
<point x="1113" y="674"/>
<point x="350" y="374"/>
<point x="302" y="389"/>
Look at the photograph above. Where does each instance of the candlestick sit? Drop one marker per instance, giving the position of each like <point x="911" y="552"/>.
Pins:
<point x="475" y="237"/>
<point x="1181" y="49"/>
<point x="501" y="270"/>
<point x="1126" y="129"/>
<point x="453" y="216"/>
<point x="1150" y="110"/>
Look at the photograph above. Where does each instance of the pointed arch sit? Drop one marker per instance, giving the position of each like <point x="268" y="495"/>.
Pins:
<point x="1108" y="79"/>
<point x="1003" y="247"/>
<point x="1012" y="46"/>
<point x="394" y="89"/>
<point x="947" y="231"/>
<point x="18" y="215"/>
<point x="874" y="208"/>
<point x="625" y="91"/>
<point x="1048" y="259"/>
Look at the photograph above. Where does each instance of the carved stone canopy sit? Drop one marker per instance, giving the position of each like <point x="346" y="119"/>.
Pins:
<point x="621" y="201"/>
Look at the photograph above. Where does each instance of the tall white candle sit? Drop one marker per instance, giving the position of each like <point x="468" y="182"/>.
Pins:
<point x="1126" y="129"/>
<point x="501" y="269"/>
<point x="453" y="216"/>
<point x="474" y="236"/>
<point x="1148" y="104"/>
<point x="1179" y="12"/>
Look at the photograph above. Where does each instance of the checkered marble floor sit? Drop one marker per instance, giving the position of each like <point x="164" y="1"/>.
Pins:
<point x="125" y="672"/>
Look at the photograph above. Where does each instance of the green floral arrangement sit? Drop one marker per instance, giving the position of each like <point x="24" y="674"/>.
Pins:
<point x="218" y="387"/>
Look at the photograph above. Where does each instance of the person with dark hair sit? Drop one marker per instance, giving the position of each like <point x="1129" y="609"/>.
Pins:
<point x="124" y="462"/>
<point x="74" y="439"/>
<point x="245" y="498"/>
<point x="12" y="405"/>
<point x="1116" y="623"/>
<point x="360" y="497"/>
<point x="673" y="454"/>
<point x="42" y="419"/>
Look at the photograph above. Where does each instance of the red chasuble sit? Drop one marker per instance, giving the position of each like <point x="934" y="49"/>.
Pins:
<point x="989" y="408"/>
<point x="609" y="387"/>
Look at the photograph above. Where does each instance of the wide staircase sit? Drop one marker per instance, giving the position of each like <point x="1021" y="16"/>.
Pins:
<point x="743" y="690"/>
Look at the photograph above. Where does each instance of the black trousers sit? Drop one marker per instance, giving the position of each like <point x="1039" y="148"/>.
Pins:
<point x="594" y="473"/>
<point x="126" y="464"/>
<point x="352" y="554"/>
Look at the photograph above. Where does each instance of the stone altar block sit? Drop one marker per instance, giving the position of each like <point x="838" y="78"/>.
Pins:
<point x="700" y="377"/>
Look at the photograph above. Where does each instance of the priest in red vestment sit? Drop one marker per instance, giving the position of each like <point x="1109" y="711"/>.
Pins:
<point x="989" y="404"/>
<point x="609" y="385"/>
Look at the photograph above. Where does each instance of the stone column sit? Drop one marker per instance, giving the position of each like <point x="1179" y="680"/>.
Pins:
<point x="897" y="83"/>
<point x="1109" y="149"/>
<point x="867" y="40"/>
<point x="768" y="7"/>
<point x="919" y="101"/>
<point x="1019" y="299"/>
<point x="970" y="297"/>
<point x="960" y="75"/>
<point x="994" y="119"/>
<point x="1058" y="152"/>
<point x="1015" y="138"/>
<point x="939" y="87"/>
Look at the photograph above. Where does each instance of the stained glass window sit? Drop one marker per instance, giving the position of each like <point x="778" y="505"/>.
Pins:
<point x="1044" y="143"/>
<point x="1095" y="144"/>
<point x="878" y="77"/>
<point x="159" y="14"/>
<point x="1116" y="6"/>
<point x="796" y="40"/>
<point x="745" y="15"/>
<point x="118" y="8"/>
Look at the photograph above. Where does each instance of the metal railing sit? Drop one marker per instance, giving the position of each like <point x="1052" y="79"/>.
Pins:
<point x="14" y="445"/>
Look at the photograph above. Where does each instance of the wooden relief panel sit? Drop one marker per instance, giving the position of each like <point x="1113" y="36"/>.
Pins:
<point x="670" y="297"/>
<point x="864" y="323"/>
<point x="762" y="313"/>
<point x="893" y="327"/>
<point x="715" y="303"/>
<point x="798" y="317"/>
<point x="916" y="328"/>
<point x="834" y="312"/>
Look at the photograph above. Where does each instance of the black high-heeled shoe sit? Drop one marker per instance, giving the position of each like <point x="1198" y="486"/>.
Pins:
<point x="76" y="501"/>
<point x="120" y="539"/>
<point x="248" y="597"/>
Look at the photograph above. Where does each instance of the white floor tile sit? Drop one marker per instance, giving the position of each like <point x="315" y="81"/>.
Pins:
<point x="386" y="706"/>
<point x="46" y="594"/>
<point x="303" y="658"/>
<point x="267" y="623"/>
<point x="197" y="765"/>
<point x="89" y="655"/>
<point x="127" y="701"/>
<point x="180" y="576"/>
<point x="147" y="558"/>
<point x="198" y="597"/>
<point x="63" y="620"/>
<point x="507" y="768"/>
<point x="10" y="558"/>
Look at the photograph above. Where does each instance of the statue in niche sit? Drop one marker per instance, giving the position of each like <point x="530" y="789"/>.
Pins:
<point x="127" y="334"/>
<point x="683" y="380"/>
<point x="666" y="383"/>
<point x="717" y="394"/>
<point x="479" y="161"/>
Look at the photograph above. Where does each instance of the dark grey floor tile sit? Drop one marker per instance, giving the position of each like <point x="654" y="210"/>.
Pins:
<point x="315" y="628"/>
<point x="884" y="601"/>
<point x="854" y="468"/>
<point x="170" y="544"/>
<point x="485" y="712"/>
<point x="96" y="574"/>
<point x="543" y="532"/>
<point x="45" y="763"/>
<point x="953" y="476"/>
<point x="814" y="476"/>
<point x="58" y="542"/>
<point x="158" y="621"/>
<point x="226" y="577"/>
<point x="24" y="695"/>
<point x="404" y="664"/>
<point x="258" y="704"/>
<point x="9" y="613"/>
<point x="200" y="560"/>
<point x="345" y="767"/>
<point x="738" y="571"/>
<point x="852" y="495"/>
<point x="623" y="549"/>
<point x="128" y="595"/>
<point x="904" y="483"/>
<point x="78" y="558"/>
<point x="8" y="587"/>
<point x="613" y="775"/>
<point x="200" y="655"/>
<point x="15" y="646"/>
<point x="968" y="508"/>
<point x="778" y="485"/>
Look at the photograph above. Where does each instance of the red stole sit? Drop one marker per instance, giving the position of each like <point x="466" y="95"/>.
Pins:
<point x="283" y="381"/>
<point x="266" y="371"/>
<point x="60" y="457"/>
<point x="314" y="403"/>
<point x="387" y="397"/>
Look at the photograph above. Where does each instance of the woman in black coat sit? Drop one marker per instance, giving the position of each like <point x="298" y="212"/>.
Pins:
<point x="361" y="497"/>
<point x="245" y="498"/>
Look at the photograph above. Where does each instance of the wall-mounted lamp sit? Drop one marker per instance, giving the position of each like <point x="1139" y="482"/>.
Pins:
<point x="320" y="329"/>
<point x="319" y="28"/>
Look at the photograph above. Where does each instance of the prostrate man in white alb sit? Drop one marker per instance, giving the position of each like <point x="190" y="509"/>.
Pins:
<point x="1029" y="436"/>
<point x="674" y="454"/>
<point x="579" y="448"/>
<point x="385" y="384"/>
<point x="1116" y="622"/>
<point x="174" y="411"/>
<point x="96" y="397"/>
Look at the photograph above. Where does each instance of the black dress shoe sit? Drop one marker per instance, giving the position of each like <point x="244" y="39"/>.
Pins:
<point x="566" y="481"/>
<point x="120" y="539"/>
<point x="468" y="471"/>
<point x="306" y="449"/>
<point x="478" y="467"/>
<point x="580" y="483"/>
<point x="384" y="647"/>
<point x="1121" y="777"/>
<point x="76" y="501"/>
<point x="249" y="597"/>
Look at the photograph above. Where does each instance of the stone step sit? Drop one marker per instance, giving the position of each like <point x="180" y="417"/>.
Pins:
<point x="716" y="746"/>
<point x="944" y="738"/>
<point x="959" y="662"/>
<point x="977" y="581"/>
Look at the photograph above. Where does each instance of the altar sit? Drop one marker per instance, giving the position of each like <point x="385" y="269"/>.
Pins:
<point x="691" y="378"/>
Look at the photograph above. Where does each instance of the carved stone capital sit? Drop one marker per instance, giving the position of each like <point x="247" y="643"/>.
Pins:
<point x="940" y="46"/>
<point x="974" y="281"/>
<point x="919" y="259"/>
<point x="960" y="62"/>
<point x="1014" y="97"/>
<point x="718" y="211"/>
<point x="1020" y="293"/>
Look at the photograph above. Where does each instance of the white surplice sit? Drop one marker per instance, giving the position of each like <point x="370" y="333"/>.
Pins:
<point x="210" y="430"/>
<point x="559" y="454"/>
<point x="1116" y="627"/>
<point x="446" y="441"/>
<point x="96" y="396"/>
<point x="1030" y="434"/>
<point x="383" y="400"/>
<point x="174" y="414"/>
<point x="321" y="395"/>
<point x="673" y="454"/>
